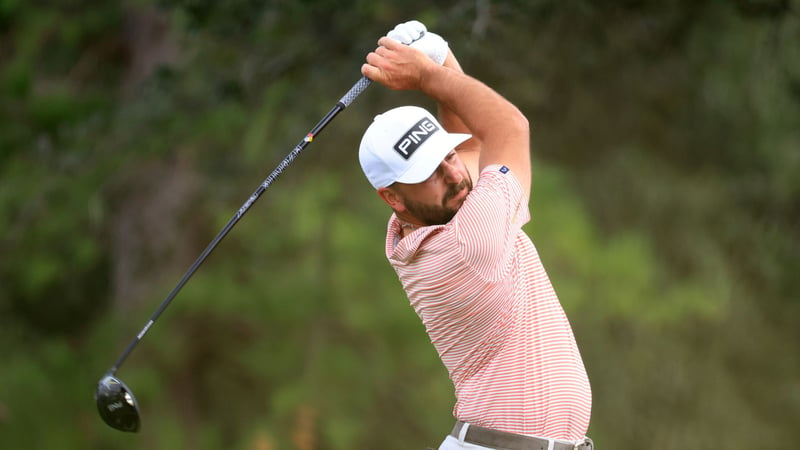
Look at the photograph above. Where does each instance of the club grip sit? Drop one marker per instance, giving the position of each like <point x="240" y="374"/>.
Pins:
<point x="354" y="91"/>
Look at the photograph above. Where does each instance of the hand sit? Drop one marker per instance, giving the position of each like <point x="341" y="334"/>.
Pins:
<point x="414" y="34"/>
<point x="397" y="66"/>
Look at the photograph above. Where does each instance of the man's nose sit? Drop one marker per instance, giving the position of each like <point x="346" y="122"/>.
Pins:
<point x="451" y="173"/>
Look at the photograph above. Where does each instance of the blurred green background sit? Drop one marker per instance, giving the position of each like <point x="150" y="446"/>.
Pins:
<point x="665" y="203"/>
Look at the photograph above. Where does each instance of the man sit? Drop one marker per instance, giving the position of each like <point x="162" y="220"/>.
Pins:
<point x="459" y="190"/>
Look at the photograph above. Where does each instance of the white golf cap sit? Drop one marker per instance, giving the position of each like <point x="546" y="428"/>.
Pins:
<point x="406" y="145"/>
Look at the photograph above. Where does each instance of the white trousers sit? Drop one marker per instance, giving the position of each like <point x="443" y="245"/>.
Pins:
<point x="451" y="443"/>
<point x="457" y="443"/>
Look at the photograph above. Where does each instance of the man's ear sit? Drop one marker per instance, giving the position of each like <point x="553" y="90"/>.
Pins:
<point x="392" y="198"/>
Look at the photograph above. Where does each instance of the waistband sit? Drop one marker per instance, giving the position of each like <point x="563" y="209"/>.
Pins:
<point x="488" y="437"/>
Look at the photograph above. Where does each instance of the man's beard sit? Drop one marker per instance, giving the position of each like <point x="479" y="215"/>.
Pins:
<point x="437" y="214"/>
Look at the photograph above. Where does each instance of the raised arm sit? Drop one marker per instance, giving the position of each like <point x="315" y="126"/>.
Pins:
<point x="447" y="117"/>
<point x="499" y="126"/>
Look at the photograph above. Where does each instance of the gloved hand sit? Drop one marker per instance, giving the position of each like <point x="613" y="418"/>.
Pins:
<point x="415" y="34"/>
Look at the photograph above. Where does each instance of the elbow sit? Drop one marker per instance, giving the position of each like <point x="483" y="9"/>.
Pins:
<point x="519" y="122"/>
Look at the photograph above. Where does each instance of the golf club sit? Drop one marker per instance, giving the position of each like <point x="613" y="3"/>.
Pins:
<point x="115" y="401"/>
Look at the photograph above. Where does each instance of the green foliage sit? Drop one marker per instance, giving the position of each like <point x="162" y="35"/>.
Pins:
<point x="664" y="208"/>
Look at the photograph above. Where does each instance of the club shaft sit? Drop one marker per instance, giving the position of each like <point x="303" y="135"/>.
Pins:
<point x="343" y="103"/>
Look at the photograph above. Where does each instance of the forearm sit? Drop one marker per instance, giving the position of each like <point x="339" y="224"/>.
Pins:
<point x="481" y="109"/>
<point x="447" y="117"/>
<point x="469" y="150"/>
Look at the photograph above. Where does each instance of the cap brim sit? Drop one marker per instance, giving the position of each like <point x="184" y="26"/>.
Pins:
<point x="430" y="156"/>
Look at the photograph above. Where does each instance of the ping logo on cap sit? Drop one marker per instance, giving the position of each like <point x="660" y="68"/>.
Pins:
<point x="414" y="137"/>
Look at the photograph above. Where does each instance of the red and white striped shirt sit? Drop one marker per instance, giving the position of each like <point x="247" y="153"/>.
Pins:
<point x="491" y="312"/>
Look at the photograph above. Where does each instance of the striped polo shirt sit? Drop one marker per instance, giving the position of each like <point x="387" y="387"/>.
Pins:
<point x="491" y="313"/>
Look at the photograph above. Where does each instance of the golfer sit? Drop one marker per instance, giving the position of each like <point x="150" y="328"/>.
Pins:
<point x="459" y="189"/>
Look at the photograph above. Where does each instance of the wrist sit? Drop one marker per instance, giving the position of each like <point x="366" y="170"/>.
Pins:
<point x="430" y="76"/>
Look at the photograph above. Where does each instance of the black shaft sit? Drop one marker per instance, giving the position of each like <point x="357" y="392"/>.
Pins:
<point x="343" y="103"/>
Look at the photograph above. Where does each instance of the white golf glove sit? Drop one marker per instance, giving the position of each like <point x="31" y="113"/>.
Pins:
<point x="415" y="34"/>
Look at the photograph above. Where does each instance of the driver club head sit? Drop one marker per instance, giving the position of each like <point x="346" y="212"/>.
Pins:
<point x="116" y="404"/>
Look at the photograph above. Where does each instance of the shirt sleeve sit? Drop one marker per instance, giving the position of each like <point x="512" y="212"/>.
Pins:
<point x="489" y="221"/>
